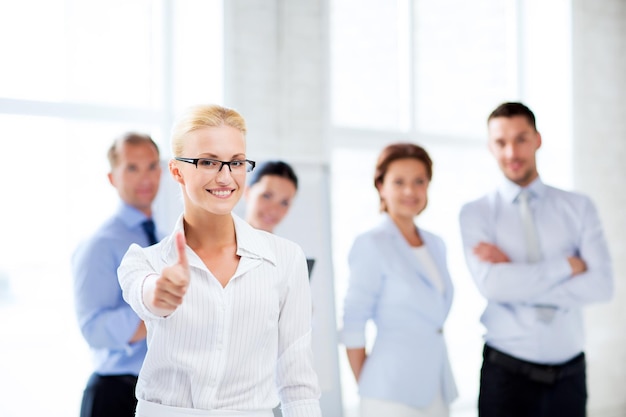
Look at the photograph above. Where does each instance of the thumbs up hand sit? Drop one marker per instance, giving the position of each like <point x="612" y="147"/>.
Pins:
<point x="162" y="294"/>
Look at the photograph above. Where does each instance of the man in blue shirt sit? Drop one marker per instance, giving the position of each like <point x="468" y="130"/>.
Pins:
<point x="113" y="331"/>
<point x="538" y="255"/>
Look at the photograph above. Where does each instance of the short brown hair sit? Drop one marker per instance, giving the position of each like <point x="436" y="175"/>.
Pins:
<point x="133" y="138"/>
<point x="395" y="151"/>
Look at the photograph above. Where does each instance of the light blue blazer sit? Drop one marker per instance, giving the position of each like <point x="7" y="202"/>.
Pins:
<point x="408" y="362"/>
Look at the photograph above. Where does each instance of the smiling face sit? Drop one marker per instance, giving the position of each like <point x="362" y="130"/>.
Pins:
<point x="209" y="191"/>
<point x="136" y="175"/>
<point x="513" y="142"/>
<point x="404" y="188"/>
<point x="268" y="201"/>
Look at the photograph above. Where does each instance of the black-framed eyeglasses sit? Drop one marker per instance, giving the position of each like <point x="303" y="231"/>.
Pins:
<point x="215" y="165"/>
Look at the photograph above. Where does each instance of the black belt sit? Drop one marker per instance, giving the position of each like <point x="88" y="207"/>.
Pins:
<point x="546" y="374"/>
<point x="123" y="379"/>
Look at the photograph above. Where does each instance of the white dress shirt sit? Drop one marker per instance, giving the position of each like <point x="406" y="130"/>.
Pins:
<point x="518" y="293"/>
<point x="229" y="348"/>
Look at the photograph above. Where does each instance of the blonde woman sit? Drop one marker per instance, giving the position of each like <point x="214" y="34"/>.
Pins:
<point x="227" y="307"/>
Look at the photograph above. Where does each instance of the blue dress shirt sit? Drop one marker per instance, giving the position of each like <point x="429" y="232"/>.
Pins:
<point x="567" y="225"/>
<point x="106" y="321"/>
<point x="408" y="363"/>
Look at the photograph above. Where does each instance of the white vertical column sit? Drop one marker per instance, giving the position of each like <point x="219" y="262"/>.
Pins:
<point x="275" y="76"/>
<point x="599" y="149"/>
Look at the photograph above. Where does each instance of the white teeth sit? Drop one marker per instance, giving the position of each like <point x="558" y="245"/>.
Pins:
<point x="221" y="193"/>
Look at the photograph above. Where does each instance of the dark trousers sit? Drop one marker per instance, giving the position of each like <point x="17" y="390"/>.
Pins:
<point x="109" y="396"/>
<point x="510" y="387"/>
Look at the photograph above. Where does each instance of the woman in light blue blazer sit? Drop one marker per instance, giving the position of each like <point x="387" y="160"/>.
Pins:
<point x="399" y="279"/>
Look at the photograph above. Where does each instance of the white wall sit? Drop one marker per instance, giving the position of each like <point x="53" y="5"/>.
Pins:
<point x="599" y="151"/>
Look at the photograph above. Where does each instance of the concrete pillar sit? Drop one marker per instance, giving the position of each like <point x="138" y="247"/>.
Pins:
<point x="275" y="76"/>
<point x="599" y="152"/>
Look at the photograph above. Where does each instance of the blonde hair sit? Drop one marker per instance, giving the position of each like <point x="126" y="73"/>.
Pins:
<point x="206" y="115"/>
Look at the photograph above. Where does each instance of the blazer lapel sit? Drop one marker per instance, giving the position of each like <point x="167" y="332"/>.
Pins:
<point x="400" y="251"/>
<point x="406" y="253"/>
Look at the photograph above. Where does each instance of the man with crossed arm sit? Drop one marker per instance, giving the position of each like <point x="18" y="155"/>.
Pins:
<point x="538" y="255"/>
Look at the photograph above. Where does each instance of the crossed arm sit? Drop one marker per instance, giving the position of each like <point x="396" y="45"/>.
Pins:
<point x="490" y="253"/>
<point x="568" y="280"/>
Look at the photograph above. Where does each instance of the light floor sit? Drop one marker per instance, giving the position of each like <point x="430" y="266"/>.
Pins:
<point x="354" y="412"/>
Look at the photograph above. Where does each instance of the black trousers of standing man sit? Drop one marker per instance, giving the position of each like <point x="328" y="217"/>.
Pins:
<point x="109" y="396"/>
<point x="510" y="387"/>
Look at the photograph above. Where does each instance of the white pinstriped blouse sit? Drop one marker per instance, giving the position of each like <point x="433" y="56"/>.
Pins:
<point x="229" y="348"/>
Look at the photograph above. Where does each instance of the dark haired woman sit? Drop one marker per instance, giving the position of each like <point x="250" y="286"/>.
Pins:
<point x="399" y="280"/>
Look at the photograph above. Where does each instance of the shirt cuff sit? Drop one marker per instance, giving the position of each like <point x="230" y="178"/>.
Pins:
<point x="353" y="339"/>
<point x="305" y="408"/>
<point x="145" y="313"/>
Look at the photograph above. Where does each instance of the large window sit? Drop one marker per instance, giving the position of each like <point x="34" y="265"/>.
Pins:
<point x="74" y="76"/>
<point x="369" y="52"/>
<point x="430" y="72"/>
